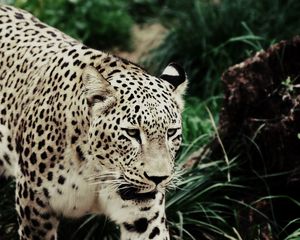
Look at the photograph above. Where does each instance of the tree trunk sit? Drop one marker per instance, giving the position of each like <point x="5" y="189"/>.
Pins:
<point x="260" y="123"/>
<point x="262" y="108"/>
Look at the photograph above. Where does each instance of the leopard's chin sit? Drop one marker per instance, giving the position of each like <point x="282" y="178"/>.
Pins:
<point x="130" y="192"/>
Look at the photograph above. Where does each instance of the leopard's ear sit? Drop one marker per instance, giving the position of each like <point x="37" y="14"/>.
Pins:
<point x="175" y="75"/>
<point x="97" y="89"/>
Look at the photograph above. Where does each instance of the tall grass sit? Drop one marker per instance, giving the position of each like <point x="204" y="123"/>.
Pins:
<point x="197" y="128"/>
<point x="214" y="200"/>
<point x="8" y="216"/>
<point x="208" y="36"/>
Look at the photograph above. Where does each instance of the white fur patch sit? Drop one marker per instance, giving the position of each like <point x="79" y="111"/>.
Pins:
<point x="72" y="202"/>
<point x="170" y="70"/>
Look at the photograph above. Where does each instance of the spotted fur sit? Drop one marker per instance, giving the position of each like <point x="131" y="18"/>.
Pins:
<point x="84" y="132"/>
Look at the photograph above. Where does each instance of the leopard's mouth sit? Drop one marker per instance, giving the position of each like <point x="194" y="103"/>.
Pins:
<point x="130" y="192"/>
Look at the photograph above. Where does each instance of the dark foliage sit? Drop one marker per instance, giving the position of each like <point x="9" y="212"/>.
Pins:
<point x="8" y="215"/>
<point x="207" y="36"/>
<point x="101" y="24"/>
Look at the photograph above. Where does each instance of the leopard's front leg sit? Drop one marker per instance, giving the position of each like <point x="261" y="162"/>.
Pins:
<point x="36" y="220"/>
<point x="139" y="219"/>
<point x="148" y="220"/>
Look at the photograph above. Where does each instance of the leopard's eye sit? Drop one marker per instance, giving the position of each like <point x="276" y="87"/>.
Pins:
<point x="134" y="133"/>
<point x="171" y="132"/>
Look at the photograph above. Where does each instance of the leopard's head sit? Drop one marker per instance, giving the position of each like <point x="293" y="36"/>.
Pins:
<point x="135" y="130"/>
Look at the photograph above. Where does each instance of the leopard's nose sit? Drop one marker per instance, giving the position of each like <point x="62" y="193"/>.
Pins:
<point x="156" y="179"/>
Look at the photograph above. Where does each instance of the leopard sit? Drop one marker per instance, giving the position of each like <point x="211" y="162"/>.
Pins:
<point x="83" y="131"/>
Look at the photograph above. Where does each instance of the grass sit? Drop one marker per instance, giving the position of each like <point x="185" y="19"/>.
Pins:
<point x="296" y="234"/>
<point x="198" y="206"/>
<point x="207" y="36"/>
<point x="8" y="216"/>
<point x="214" y="200"/>
<point x="196" y="124"/>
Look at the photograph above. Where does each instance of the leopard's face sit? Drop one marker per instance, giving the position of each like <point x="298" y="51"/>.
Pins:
<point x="135" y="138"/>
